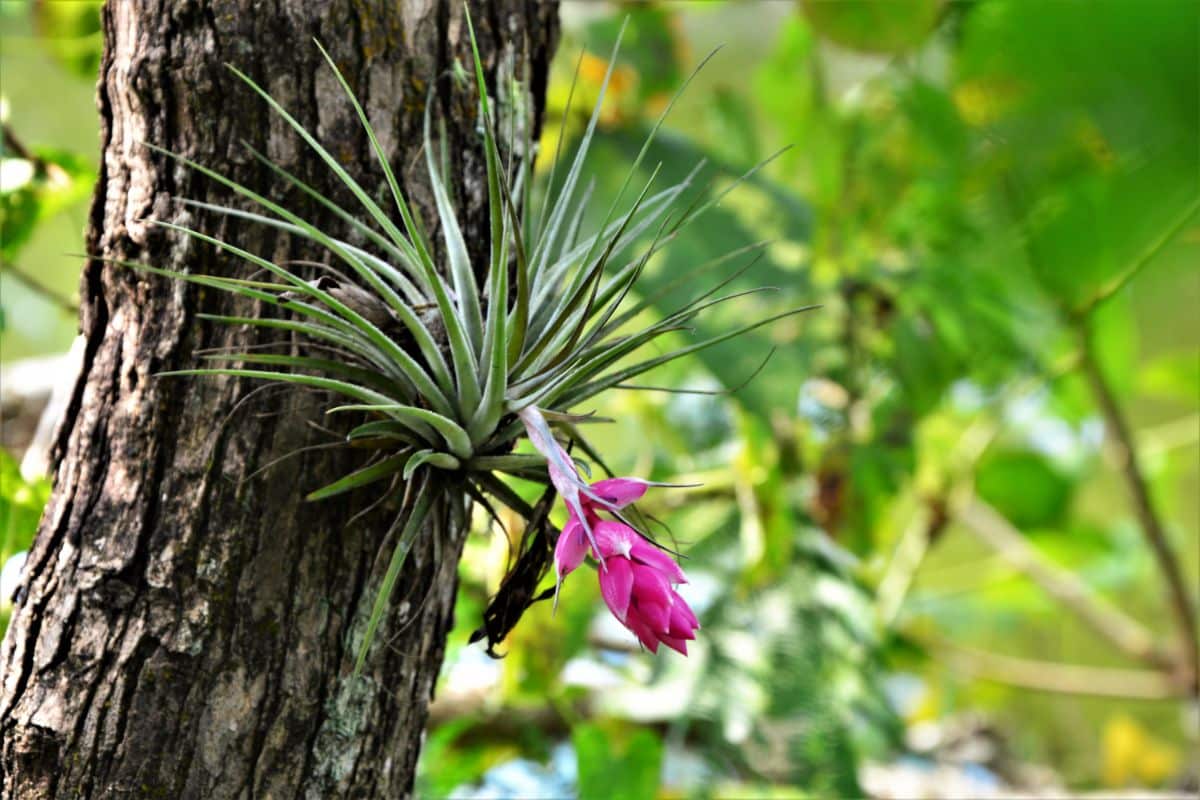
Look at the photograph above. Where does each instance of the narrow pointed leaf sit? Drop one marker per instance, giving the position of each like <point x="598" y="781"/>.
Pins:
<point x="455" y="436"/>
<point x="431" y="457"/>
<point x="367" y="475"/>
<point x="404" y="542"/>
<point x="599" y="385"/>
<point x="465" y="289"/>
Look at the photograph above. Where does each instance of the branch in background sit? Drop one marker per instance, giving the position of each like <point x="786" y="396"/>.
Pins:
<point x="906" y="560"/>
<point x="497" y="722"/>
<point x="61" y="301"/>
<point x="14" y="145"/>
<point x="1121" y="281"/>
<point x="1048" y="676"/>
<point x="928" y="521"/>
<point x="1129" y="635"/>
<point x="1121" y="437"/>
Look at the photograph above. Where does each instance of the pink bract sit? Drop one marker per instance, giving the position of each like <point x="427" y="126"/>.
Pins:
<point x="637" y="579"/>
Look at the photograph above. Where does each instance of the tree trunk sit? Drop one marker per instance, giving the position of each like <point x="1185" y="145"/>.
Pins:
<point x="187" y="628"/>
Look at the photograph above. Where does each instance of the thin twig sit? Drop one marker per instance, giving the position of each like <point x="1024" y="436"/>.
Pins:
<point x="911" y="549"/>
<point x="63" y="302"/>
<point x="1129" y="635"/>
<point x="1151" y="523"/>
<point x="1121" y="281"/>
<point x="1050" y="676"/>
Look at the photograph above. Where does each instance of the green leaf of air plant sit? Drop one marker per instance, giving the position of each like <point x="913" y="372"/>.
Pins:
<point x="651" y="299"/>
<point x="400" y="359"/>
<point x="431" y="457"/>
<point x="595" y="359"/>
<point x="545" y="305"/>
<point x="397" y="358"/>
<point x="379" y="429"/>
<point x="696" y="210"/>
<point x="491" y="154"/>
<point x="405" y="254"/>
<point x="537" y="225"/>
<point x="452" y="433"/>
<point x="629" y="175"/>
<point x="404" y="542"/>
<point x="505" y="345"/>
<point x="515" y="464"/>
<point x="316" y="332"/>
<point x="596" y="353"/>
<point x="463" y="357"/>
<point x="456" y="251"/>
<point x="495" y="349"/>
<point x="418" y="420"/>
<point x="245" y="288"/>
<point x="689" y="216"/>
<point x="404" y="313"/>
<point x="607" y="381"/>
<point x="361" y="194"/>
<point x="649" y="139"/>
<point x="497" y="339"/>
<point x="608" y="305"/>
<point x="367" y="475"/>
<point x="495" y="344"/>
<point x="519" y="316"/>
<point x="467" y="381"/>
<point x="571" y="318"/>
<point x="571" y="240"/>
<point x="518" y="319"/>
<point x="418" y="244"/>
<point x="562" y="200"/>
<point x="413" y="371"/>
<point x="325" y="366"/>
<point x="540" y="389"/>
<point x="495" y="358"/>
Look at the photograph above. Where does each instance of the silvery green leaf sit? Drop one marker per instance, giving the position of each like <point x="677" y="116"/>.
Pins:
<point x="465" y="290"/>
<point x="413" y="523"/>
<point x="431" y="457"/>
<point x="405" y="313"/>
<point x="582" y="393"/>
<point x="363" y="197"/>
<point x="453" y="434"/>
<point x="413" y="371"/>
<point x="367" y="475"/>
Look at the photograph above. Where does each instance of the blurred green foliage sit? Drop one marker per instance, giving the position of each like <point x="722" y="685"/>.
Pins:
<point x="977" y="195"/>
<point x="70" y="33"/>
<point x="37" y="185"/>
<point x="611" y="772"/>
<point x="48" y="154"/>
<point x="995" y="206"/>
<point x="21" y="504"/>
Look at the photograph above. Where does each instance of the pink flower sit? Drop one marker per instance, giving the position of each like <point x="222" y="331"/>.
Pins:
<point x="639" y="588"/>
<point x="563" y="474"/>
<point x="612" y="494"/>
<point x="637" y="579"/>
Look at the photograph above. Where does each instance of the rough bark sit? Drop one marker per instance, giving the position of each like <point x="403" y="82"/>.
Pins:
<point x="186" y="628"/>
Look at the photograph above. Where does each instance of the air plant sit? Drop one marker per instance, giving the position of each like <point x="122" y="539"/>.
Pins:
<point x="485" y="363"/>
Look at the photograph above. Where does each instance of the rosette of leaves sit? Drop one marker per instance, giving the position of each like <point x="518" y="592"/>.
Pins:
<point x="548" y="326"/>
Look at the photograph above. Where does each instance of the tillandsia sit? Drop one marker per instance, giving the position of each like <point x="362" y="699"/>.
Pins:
<point x="445" y="369"/>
